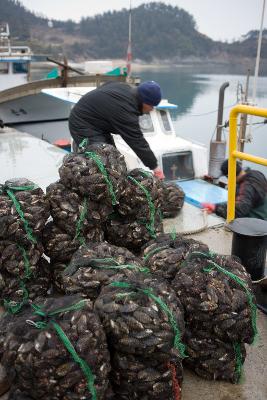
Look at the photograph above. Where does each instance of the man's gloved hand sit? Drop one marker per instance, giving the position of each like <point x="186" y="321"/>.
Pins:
<point x="209" y="207"/>
<point x="158" y="173"/>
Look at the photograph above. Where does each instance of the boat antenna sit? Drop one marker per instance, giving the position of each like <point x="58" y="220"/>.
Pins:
<point x="254" y="91"/>
<point x="129" y="49"/>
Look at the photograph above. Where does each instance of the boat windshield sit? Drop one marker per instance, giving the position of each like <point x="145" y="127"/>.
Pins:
<point x="20" y="67"/>
<point x="164" y="122"/>
<point x="146" y="123"/>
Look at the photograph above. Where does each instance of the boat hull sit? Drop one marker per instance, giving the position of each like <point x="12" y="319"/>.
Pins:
<point x="34" y="108"/>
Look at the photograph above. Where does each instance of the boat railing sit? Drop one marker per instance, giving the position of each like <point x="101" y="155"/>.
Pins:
<point x="14" y="50"/>
<point x="35" y="87"/>
<point x="234" y="154"/>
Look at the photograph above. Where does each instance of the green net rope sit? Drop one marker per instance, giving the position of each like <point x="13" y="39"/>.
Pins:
<point x="12" y="306"/>
<point x="102" y="263"/>
<point x="78" y="234"/>
<point x="238" y="360"/>
<point x="146" y="174"/>
<point x="83" y="144"/>
<point x="90" y="378"/>
<point x="3" y="189"/>
<point x="239" y="281"/>
<point x="27" y="265"/>
<point x="16" y="203"/>
<point x="149" y="292"/>
<point x="96" y="158"/>
<point x="152" y="210"/>
<point x="173" y="234"/>
<point x="155" y="251"/>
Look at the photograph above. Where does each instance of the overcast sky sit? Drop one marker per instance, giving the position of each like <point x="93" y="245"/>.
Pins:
<point x="219" y="19"/>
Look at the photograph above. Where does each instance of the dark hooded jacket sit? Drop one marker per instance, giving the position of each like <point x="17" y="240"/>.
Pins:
<point x="251" y="197"/>
<point x="115" y="108"/>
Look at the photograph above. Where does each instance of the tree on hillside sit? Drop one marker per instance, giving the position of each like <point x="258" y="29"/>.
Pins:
<point x="159" y="32"/>
<point x="19" y="19"/>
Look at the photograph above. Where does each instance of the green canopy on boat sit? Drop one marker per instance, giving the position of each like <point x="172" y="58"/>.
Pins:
<point x="53" y="74"/>
<point x="117" y="71"/>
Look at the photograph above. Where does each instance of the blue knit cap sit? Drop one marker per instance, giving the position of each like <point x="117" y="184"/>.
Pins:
<point x="149" y="93"/>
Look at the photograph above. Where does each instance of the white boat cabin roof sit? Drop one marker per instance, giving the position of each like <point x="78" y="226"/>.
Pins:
<point x="73" y="94"/>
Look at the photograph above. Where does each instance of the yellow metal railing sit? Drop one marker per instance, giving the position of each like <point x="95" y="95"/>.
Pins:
<point x="234" y="154"/>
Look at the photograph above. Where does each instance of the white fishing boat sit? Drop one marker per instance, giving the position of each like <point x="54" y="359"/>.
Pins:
<point x="23" y="102"/>
<point x="14" y="61"/>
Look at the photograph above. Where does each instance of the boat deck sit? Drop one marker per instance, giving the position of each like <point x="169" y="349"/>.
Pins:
<point x="35" y="159"/>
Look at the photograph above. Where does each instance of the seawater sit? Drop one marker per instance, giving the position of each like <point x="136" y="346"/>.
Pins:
<point x="197" y="97"/>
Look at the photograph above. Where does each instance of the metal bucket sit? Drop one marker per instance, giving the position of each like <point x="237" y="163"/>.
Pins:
<point x="249" y="244"/>
<point x="216" y="158"/>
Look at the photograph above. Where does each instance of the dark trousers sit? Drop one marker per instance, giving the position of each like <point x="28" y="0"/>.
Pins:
<point x="92" y="139"/>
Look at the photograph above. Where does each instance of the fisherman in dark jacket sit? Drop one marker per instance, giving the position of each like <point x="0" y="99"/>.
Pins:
<point x="115" y="108"/>
<point x="251" y="194"/>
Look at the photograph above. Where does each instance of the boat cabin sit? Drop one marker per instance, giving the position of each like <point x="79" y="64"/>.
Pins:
<point x="14" y="61"/>
<point x="179" y="159"/>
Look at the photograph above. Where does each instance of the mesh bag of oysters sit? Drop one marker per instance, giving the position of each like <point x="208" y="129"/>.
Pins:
<point x="212" y="358"/>
<point x="24" y="211"/>
<point x="172" y="199"/>
<point x="60" y="246"/>
<point x="14" y="258"/>
<point x="57" y="350"/>
<point x="165" y="254"/>
<point x="142" y="196"/>
<point x="90" y="185"/>
<point x="143" y="320"/>
<point x="130" y="233"/>
<point x="138" y="217"/>
<point x="93" y="265"/>
<point x="24" y="274"/>
<point x="70" y="209"/>
<point x="17" y="291"/>
<point x="98" y="173"/>
<point x="220" y="313"/>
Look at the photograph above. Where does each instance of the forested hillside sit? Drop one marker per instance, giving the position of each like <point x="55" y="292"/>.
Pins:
<point x="160" y="32"/>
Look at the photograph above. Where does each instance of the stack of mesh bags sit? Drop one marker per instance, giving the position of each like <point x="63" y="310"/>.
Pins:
<point x="24" y="273"/>
<point x="138" y="217"/>
<point x="165" y="254"/>
<point x="93" y="266"/>
<point x="89" y="187"/>
<point x="172" y="199"/>
<point x="220" y="314"/>
<point x="56" y="349"/>
<point x="143" y="321"/>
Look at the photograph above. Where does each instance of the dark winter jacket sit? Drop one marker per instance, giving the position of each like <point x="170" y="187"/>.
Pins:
<point x="114" y="107"/>
<point x="251" y="197"/>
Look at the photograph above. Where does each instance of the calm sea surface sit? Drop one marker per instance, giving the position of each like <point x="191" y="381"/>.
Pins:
<point x="196" y="95"/>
